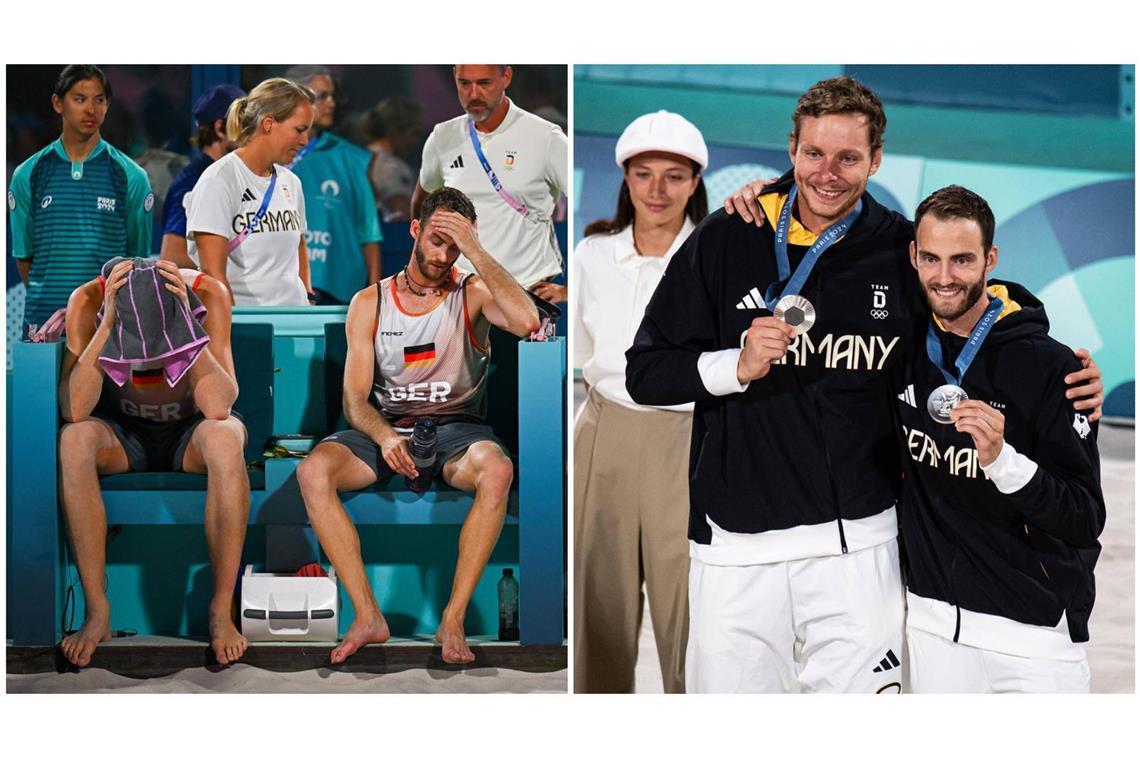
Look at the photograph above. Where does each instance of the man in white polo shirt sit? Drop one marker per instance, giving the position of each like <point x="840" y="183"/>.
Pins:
<point x="514" y="172"/>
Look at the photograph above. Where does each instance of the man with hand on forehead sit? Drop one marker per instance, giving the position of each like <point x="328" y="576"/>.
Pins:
<point x="512" y="165"/>
<point x="1001" y="504"/>
<point x="786" y="338"/>
<point x="151" y="415"/>
<point x="418" y="348"/>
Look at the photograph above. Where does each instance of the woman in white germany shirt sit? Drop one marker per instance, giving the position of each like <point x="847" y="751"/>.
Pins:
<point x="246" y="214"/>
<point x="631" y="491"/>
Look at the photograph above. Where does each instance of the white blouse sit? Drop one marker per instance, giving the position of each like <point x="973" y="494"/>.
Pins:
<point x="612" y="286"/>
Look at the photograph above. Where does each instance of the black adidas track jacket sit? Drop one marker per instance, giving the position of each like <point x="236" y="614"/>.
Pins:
<point x="813" y="441"/>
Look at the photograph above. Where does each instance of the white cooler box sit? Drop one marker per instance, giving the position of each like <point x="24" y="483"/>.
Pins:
<point x="280" y="607"/>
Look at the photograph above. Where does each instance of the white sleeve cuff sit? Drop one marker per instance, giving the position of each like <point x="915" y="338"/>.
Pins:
<point x="1010" y="471"/>
<point x="718" y="372"/>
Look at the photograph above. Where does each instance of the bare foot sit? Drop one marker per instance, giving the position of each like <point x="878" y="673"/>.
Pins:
<point x="225" y="638"/>
<point x="79" y="646"/>
<point x="455" y="649"/>
<point x="371" y="629"/>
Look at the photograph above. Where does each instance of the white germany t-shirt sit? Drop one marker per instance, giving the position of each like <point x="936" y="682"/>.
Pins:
<point x="528" y="154"/>
<point x="265" y="269"/>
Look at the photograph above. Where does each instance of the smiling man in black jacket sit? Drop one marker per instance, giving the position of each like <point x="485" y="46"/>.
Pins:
<point x="1001" y="504"/>
<point x="794" y="465"/>
<point x="794" y="581"/>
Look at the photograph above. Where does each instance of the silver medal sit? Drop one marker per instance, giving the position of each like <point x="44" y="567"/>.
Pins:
<point x="796" y="311"/>
<point x="942" y="399"/>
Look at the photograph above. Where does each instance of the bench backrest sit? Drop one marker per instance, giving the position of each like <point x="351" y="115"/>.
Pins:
<point x="252" y="346"/>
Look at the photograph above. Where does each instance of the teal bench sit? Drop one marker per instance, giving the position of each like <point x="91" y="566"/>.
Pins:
<point x="288" y="363"/>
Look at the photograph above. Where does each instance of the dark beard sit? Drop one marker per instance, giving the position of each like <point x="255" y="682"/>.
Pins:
<point x="421" y="265"/>
<point x="973" y="293"/>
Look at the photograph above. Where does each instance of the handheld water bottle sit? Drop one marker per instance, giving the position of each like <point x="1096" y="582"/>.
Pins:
<point x="423" y="453"/>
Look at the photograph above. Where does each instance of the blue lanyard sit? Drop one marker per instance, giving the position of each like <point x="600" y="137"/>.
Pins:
<point x="302" y="152"/>
<point x="256" y="220"/>
<point x="495" y="183"/>
<point x="973" y="345"/>
<point x="822" y="243"/>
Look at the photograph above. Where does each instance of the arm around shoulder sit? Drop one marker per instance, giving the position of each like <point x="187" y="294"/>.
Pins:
<point x="1056" y="484"/>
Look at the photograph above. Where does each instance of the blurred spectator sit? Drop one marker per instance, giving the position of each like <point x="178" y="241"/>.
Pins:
<point x="524" y="154"/>
<point x="246" y="214"/>
<point x="161" y="167"/>
<point x="344" y="228"/>
<point x="393" y="129"/>
<point x="78" y="202"/>
<point x="210" y="139"/>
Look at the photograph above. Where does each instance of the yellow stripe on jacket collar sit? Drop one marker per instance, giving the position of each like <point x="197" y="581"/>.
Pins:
<point x="997" y="291"/>
<point x="773" y="204"/>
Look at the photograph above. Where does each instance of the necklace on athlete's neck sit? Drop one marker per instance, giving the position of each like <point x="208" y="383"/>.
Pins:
<point x="428" y="290"/>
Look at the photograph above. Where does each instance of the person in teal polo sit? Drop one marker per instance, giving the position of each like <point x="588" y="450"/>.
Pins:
<point x="344" y="229"/>
<point x="77" y="203"/>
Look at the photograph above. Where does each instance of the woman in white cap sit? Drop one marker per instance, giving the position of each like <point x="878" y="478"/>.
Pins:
<point x="631" y="504"/>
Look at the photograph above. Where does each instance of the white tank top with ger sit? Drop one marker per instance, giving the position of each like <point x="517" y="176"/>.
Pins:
<point x="431" y="364"/>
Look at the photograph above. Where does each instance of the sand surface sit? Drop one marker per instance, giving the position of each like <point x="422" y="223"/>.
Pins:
<point x="245" y="679"/>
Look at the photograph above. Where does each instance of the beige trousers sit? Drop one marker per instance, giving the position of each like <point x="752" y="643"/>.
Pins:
<point x="631" y="514"/>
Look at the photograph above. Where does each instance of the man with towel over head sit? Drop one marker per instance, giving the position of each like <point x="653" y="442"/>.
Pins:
<point x="147" y="384"/>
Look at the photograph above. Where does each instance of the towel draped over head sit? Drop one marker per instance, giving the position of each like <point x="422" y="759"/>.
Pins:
<point x="151" y="325"/>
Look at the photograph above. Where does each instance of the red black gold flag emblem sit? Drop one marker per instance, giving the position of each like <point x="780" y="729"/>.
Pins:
<point x="419" y="356"/>
<point x="146" y="378"/>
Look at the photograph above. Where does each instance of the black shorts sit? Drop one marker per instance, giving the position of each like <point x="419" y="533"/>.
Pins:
<point x="152" y="446"/>
<point x="451" y="439"/>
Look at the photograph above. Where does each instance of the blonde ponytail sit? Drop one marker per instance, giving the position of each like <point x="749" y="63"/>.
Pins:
<point x="274" y="97"/>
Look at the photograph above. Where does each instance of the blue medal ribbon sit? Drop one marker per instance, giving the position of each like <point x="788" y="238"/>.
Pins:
<point x="970" y="350"/>
<point x="822" y="243"/>
<point x="249" y="228"/>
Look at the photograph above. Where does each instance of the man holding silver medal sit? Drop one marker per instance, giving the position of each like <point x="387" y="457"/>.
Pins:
<point x="794" y="472"/>
<point x="1001" y="504"/>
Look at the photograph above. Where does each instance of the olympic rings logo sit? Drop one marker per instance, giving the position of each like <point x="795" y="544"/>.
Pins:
<point x="879" y="313"/>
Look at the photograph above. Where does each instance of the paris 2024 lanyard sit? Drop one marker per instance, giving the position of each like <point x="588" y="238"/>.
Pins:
<point x="789" y="305"/>
<point x="945" y="397"/>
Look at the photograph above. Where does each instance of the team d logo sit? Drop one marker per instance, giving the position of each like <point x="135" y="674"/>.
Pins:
<point x="1081" y="425"/>
<point x="879" y="301"/>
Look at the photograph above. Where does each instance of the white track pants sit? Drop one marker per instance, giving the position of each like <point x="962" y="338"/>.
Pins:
<point x="824" y="624"/>
<point x="938" y="665"/>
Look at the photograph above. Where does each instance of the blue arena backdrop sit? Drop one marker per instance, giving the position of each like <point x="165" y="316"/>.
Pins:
<point x="150" y="120"/>
<point x="1050" y="147"/>
<point x="159" y="576"/>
